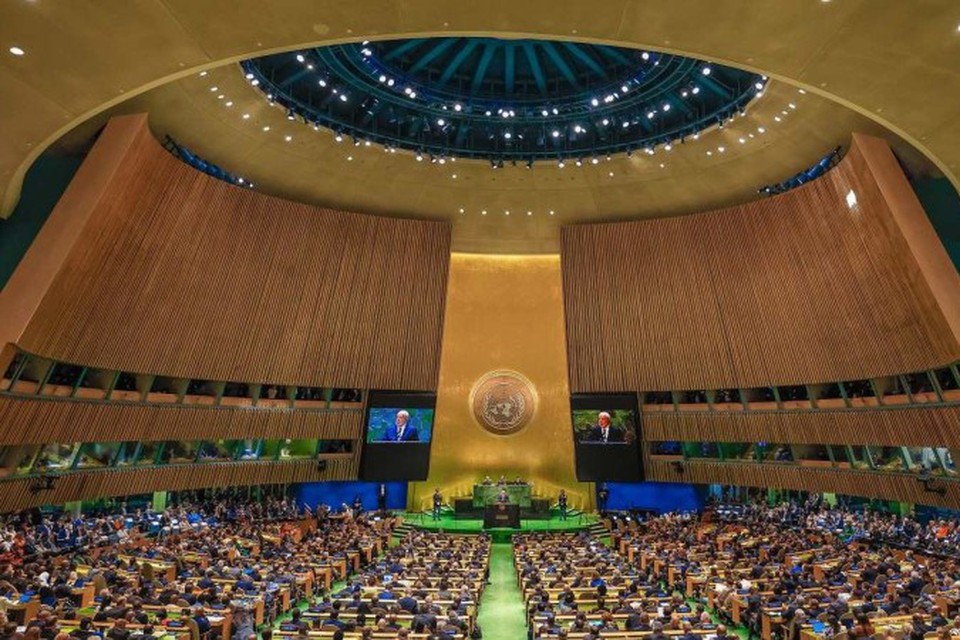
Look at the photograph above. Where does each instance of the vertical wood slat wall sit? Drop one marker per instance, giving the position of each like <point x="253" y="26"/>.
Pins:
<point x="180" y="274"/>
<point x="934" y="426"/>
<point x="122" y="482"/>
<point x="797" y="288"/>
<point x="41" y="421"/>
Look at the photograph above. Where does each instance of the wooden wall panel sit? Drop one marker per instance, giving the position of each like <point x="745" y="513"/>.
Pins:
<point x="15" y="494"/>
<point x="180" y="274"/>
<point x="895" y="426"/>
<point x="797" y="288"/>
<point x="45" y="420"/>
<point x="886" y="486"/>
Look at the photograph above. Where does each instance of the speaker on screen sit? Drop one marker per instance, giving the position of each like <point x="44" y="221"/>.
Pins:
<point x="606" y="434"/>
<point x="398" y="430"/>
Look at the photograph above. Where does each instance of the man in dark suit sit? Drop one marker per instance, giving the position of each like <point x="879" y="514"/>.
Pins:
<point x="603" y="432"/>
<point x="401" y="430"/>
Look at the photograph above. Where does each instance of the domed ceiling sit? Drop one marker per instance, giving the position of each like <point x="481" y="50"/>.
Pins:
<point x="502" y="100"/>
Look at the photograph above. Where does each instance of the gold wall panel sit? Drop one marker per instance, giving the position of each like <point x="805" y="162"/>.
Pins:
<point x="503" y="313"/>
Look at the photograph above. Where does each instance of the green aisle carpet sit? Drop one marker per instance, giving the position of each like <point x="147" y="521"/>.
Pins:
<point x="501" y="607"/>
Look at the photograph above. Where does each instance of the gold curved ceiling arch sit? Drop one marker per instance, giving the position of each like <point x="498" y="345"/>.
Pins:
<point x="893" y="61"/>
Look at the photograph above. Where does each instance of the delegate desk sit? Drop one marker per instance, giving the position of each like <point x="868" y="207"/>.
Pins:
<point x="501" y="515"/>
<point x="485" y="495"/>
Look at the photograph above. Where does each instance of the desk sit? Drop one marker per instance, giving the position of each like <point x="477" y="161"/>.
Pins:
<point x="501" y="515"/>
<point x="486" y="494"/>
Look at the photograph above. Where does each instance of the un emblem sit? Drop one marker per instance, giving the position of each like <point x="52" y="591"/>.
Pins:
<point x="503" y="402"/>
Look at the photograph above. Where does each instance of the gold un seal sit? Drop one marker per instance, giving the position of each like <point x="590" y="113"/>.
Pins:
<point x="503" y="402"/>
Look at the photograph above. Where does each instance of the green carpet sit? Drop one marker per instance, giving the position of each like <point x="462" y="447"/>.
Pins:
<point x="501" y="608"/>
<point x="453" y="525"/>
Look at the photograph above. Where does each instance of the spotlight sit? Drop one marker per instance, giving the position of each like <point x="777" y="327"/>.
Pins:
<point x="624" y="88"/>
<point x="650" y="115"/>
<point x="695" y="90"/>
<point x="645" y="55"/>
<point x="595" y="102"/>
<point x="561" y="164"/>
<point x="507" y="135"/>
<point x="338" y="137"/>
<point x="579" y="162"/>
<point x="300" y="57"/>
<point x="458" y="107"/>
<point x="666" y="107"/>
<point x="606" y="122"/>
<point x="594" y="160"/>
<point x="555" y="133"/>
<point x="291" y="115"/>
<point x="545" y="113"/>
<point x="419" y="157"/>
<point x="441" y="121"/>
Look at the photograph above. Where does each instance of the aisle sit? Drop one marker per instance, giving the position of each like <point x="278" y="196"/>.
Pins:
<point x="501" y="607"/>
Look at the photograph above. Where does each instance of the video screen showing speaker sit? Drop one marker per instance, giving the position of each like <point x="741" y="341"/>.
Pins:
<point x="606" y="435"/>
<point x="398" y="431"/>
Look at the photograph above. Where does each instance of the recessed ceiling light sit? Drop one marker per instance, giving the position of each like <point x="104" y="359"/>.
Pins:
<point x="709" y="153"/>
<point x="611" y="174"/>
<point x="220" y="97"/>
<point x="663" y="166"/>
<point x="228" y="103"/>
<point x="461" y="209"/>
<point x="246" y="116"/>
<point x="484" y="212"/>
<point x="454" y="176"/>
<point x="214" y="89"/>
<point x="507" y="212"/>
<point x="266" y="128"/>
<point x="529" y="213"/>
<point x="203" y="73"/>
<point x="551" y="211"/>
<point x="349" y="158"/>
<point x="288" y="138"/>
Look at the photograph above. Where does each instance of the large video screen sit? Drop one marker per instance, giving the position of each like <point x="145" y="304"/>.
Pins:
<point x="606" y="433"/>
<point x="399" y="428"/>
<point x="399" y="425"/>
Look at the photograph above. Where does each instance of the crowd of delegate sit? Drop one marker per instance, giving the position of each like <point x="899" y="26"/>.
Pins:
<point x="791" y="571"/>
<point x="229" y="570"/>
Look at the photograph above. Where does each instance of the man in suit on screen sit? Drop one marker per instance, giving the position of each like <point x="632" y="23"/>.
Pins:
<point x="603" y="432"/>
<point x="401" y="430"/>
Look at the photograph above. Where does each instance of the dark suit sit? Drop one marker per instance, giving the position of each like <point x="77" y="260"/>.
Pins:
<point x="409" y="434"/>
<point x="614" y="434"/>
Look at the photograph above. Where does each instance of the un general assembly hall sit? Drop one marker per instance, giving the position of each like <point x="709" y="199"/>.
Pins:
<point x="503" y="320"/>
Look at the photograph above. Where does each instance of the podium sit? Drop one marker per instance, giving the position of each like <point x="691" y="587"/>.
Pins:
<point x="501" y="516"/>
<point x="486" y="494"/>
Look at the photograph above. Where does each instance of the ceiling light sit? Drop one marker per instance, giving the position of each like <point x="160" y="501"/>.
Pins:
<point x="413" y="94"/>
<point x="555" y="133"/>
<point x="695" y="90"/>
<point x="461" y="209"/>
<point x="792" y="106"/>
<point x="506" y="212"/>
<point x="777" y="118"/>
<point x="441" y="121"/>
<point x="706" y="71"/>
<point x="721" y="149"/>
<point x="624" y="88"/>
<point x="551" y="211"/>
<point x="626" y="124"/>
<point x="454" y="176"/>
<point x="349" y="158"/>
<point x="709" y="153"/>
<point x="300" y="57"/>
<point x="606" y="122"/>
<point x="202" y="73"/>
<point x="684" y="93"/>
<point x="229" y="103"/>
<point x="338" y="137"/>
<point x="246" y="116"/>
<point x="743" y="140"/>
<point x="851" y="199"/>
<point x="288" y="138"/>
<point x="507" y="135"/>
<point x="266" y="128"/>
<point x="343" y="97"/>
<point x="214" y="89"/>
<point x="556" y="111"/>
<point x="577" y="129"/>
<point x="322" y="83"/>
<point x="595" y="102"/>
<point x="666" y="107"/>
<point x="761" y="130"/>
<point x="561" y="164"/>
<point x="382" y="78"/>
<point x="529" y="213"/>
<point x="804" y="90"/>
<point x="419" y="157"/>
<point x="594" y="160"/>
<point x="579" y="162"/>
<point x="667" y="147"/>
<point x="484" y="212"/>
<point x="645" y="55"/>
<point x="366" y="143"/>
<point x="611" y="174"/>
